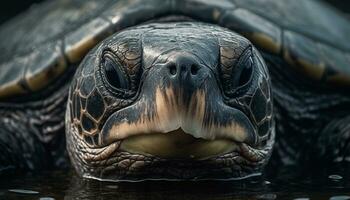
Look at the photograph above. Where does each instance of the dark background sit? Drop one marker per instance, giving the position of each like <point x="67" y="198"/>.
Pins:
<point x="12" y="7"/>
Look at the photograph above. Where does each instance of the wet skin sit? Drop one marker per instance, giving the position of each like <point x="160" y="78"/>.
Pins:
<point x="171" y="101"/>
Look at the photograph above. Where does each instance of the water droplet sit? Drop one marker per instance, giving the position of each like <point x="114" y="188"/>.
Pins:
<point x="340" y="198"/>
<point x="267" y="182"/>
<point x="335" y="177"/>
<point x="266" y="196"/>
<point x="20" y="191"/>
<point x="112" y="186"/>
<point x="46" y="198"/>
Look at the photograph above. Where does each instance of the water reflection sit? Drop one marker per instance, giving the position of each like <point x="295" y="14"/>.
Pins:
<point x="282" y="184"/>
<point x="82" y="189"/>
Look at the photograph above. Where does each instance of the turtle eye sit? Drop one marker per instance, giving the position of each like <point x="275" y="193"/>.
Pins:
<point x="115" y="75"/>
<point x="242" y="72"/>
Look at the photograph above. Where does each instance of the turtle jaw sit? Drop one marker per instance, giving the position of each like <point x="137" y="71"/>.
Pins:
<point x="177" y="145"/>
<point x="127" y="160"/>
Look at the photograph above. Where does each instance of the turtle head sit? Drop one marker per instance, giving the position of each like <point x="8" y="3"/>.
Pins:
<point x="171" y="101"/>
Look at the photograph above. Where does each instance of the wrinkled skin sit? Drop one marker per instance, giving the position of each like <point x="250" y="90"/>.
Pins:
<point x="200" y="94"/>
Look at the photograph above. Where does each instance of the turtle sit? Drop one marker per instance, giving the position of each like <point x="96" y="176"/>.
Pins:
<point x="173" y="89"/>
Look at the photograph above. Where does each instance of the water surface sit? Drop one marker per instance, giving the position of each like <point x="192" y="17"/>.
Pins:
<point x="285" y="183"/>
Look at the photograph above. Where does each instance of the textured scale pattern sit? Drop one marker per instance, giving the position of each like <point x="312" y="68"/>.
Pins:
<point x="91" y="100"/>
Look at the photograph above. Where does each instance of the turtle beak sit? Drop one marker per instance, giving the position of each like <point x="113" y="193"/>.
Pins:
<point x="164" y="115"/>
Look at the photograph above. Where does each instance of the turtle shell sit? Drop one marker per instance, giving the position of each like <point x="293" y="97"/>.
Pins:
<point x="40" y="45"/>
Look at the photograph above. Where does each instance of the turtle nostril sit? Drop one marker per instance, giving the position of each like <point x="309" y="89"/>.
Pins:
<point x="172" y="69"/>
<point x="194" y="69"/>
